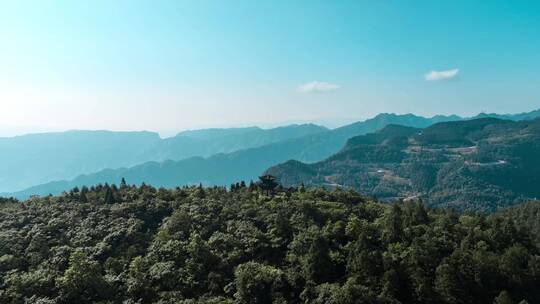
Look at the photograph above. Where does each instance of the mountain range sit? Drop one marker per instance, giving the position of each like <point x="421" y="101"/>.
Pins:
<point x="211" y="156"/>
<point x="479" y="164"/>
<point x="38" y="158"/>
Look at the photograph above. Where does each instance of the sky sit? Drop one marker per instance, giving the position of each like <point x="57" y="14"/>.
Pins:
<point x="167" y="66"/>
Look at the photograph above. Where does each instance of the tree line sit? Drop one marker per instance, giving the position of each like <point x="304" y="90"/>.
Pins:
<point x="259" y="243"/>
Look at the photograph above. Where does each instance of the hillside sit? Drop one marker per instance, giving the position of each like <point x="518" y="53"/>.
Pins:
<point x="108" y="244"/>
<point x="526" y="217"/>
<point x="38" y="158"/>
<point x="197" y="161"/>
<point x="208" y="142"/>
<point x="222" y="169"/>
<point x="479" y="164"/>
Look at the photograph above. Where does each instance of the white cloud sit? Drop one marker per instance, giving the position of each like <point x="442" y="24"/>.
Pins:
<point x="317" y="87"/>
<point x="441" y="75"/>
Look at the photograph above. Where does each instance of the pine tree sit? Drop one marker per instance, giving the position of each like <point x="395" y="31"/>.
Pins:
<point x="123" y="183"/>
<point x="109" y="197"/>
<point x="302" y="188"/>
<point x="200" y="193"/>
<point x="252" y="186"/>
<point x="82" y="197"/>
<point x="393" y="224"/>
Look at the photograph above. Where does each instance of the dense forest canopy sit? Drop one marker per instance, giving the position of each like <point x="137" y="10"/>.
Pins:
<point x="127" y="244"/>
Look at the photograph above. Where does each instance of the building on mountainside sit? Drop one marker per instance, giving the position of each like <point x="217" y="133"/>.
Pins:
<point x="268" y="183"/>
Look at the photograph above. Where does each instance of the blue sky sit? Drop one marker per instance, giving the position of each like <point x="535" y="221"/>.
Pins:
<point x="172" y="65"/>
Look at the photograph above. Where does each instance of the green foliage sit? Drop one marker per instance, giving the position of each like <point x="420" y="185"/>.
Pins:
<point x="503" y="298"/>
<point x="211" y="245"/>
<point x="82" y="282"/>
<point x="258" y="283"/>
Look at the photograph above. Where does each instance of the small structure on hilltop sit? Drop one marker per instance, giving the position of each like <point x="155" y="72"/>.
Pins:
<point x="268" y="183"/>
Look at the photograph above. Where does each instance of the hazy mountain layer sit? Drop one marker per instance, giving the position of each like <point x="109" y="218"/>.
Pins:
<point x="34" y="159"/>
<point x="222" y="169"/>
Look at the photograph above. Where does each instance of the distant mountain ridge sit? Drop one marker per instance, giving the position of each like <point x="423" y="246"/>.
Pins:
<point x="208" y="142"/>
<point x="243" y="164"/>
<point x="520" y="116"/>
<point x="479" y="164"/>
<point x="37" y="158"/>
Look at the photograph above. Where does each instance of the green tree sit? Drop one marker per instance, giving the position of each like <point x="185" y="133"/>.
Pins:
<point x="259" y="284"/>
<point x="82" y="282"/>
<point x="393" y="224"/>
<point x="123" y="183"/>
<point x="82" y="196"/>
<point x="109" y="196"/>
<point x="503" y="298"/>
<point x="138" y="282"/>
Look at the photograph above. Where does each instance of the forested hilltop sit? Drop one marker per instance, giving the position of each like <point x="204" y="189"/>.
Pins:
<point x="127" y="244"/>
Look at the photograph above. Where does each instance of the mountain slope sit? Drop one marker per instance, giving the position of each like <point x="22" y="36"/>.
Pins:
<point x="208" y="142"/>
<point x="476" y="164"/>
<point x="37" y="158"/>
<point x="222" y="169"/>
